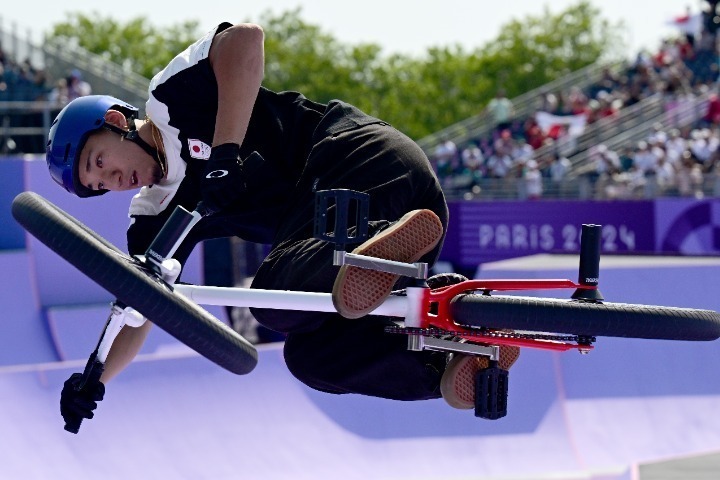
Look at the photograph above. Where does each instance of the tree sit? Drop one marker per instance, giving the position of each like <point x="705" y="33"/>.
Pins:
<point x="138" y="45"/>
<point x="447" y="84"/>
<point x="418" y="95"/>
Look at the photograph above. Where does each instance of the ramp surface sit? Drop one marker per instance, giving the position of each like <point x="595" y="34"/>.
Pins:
<point x="172" y="414"/>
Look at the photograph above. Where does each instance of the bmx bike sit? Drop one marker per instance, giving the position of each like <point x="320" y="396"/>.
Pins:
<point x="467" y="317"/>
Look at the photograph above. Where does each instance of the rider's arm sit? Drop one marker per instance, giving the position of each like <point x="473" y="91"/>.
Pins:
<point x="124" y="348"/>
<point x="237" y="59"/>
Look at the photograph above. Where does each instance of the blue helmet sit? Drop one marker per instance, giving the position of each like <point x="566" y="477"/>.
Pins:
<point x="69" y="132"/>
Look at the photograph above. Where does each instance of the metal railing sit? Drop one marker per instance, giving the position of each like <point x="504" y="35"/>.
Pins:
<point x="604" y="129"/>
<point x="24" y="126"/>
<point x="59" y="58"/>
<point x="577" y="188"/>
<point x="675" y="114"/>
<point x="104" y="76"/>
<point x="525" y="105"/>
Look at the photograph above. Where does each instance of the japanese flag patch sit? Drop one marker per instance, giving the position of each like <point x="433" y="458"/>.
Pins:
<point x="198" y="149"/>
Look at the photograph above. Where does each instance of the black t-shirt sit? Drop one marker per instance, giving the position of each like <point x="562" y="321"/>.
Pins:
<point x="283" y="128"/>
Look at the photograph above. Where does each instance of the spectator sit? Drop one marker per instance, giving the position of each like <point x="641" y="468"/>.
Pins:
<point x="77" y="87"/>
<point x="712" y="116"/>
<point x="466" y="172"/>
<point x="679" y="71"/>
<point x="689" y="177"/>
<point x="533" y="180"/>
<point x="499" y="164"/>
<point x="59" y="95"/>
<point x="607" y="105"/>
<point x="473" y="159"/>
<point x="533" y="133"/>
<point x="559" y="168"/>
<point x="502" y="111"/>
<point x="646" y="162"/>
<point x="626" y="159"/>
<point x="504" y="144"/>
<point x="521" y="151"/>
<point x="702" y="144"/>
<point x="665" y="175"/>
<point x="445" y="160"/>
<point x="675" y="145"/>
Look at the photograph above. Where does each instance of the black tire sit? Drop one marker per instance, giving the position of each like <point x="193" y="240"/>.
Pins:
<point x="584" y="318"/>
<point x="133" y="284"/>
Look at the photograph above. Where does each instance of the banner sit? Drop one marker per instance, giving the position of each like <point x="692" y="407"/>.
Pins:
<point x="483" y="232"/>
<point x="552" y="125"/>
<point x="688" y="24"/>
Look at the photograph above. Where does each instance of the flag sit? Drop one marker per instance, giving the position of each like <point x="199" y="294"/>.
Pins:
<point x="552" y="124"/>
<point x="687" y="23"/>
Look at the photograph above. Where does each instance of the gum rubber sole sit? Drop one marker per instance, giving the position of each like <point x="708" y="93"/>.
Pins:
<point x="458" y="382"/>
<point x="358" y="291"/>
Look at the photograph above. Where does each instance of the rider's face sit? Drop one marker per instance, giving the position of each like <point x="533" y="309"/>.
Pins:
<point x="111" y="163"/>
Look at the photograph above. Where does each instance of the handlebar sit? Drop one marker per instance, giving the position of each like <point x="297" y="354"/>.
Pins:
<point x="181" y="221"/>
<point x="163" y="247"/>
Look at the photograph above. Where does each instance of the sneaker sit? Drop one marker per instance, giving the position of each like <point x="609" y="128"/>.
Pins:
<point x="458" y="382"/>
<point x="359" y="291"/>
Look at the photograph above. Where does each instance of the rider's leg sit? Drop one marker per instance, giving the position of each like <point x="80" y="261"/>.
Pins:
<point x="380" y="161"/>
<point x="358" y="356"/>
<point x="335" y="354"/>
<point x="375" y="159"/>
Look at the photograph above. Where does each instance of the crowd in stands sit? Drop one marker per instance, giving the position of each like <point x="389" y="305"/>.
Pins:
<point x="24" y="82"/>
<point x="671" y="161"/>
<point x="666" y="163"/>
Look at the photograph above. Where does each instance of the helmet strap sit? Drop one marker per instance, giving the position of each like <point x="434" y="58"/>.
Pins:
<point x="132" y="135"/>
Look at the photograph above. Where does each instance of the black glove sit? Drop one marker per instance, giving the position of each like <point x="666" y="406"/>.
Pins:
<point x="223" y="182"/>
<point x="77" y="404"/>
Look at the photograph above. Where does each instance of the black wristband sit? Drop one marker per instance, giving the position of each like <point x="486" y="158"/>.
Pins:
<point x="225" y="151"/>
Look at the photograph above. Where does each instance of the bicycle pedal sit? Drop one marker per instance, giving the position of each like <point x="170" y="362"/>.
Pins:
<point x="350" y="212"/>
<point x="491" y="390"/>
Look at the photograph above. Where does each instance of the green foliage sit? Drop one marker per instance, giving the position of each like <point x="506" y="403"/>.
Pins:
<point x="417" y="95"/>
<point x="137" y="44"/>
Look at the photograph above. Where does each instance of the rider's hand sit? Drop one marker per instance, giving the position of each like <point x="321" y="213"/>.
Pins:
<point x="78" y="404"/>
<point x="223" y="182"/>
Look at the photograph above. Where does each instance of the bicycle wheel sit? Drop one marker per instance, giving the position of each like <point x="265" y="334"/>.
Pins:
<point x="133" y="284"/>
<point x="583" y="318"/>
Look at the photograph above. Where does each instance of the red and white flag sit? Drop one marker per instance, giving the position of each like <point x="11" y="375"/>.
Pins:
<point x="553" y="125"/>
<point x="688" y="23"/>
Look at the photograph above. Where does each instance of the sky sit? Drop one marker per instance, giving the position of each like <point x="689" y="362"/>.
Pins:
<point x="398" y="26"/>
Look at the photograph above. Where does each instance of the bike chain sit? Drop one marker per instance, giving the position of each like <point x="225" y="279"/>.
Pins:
<point x="438" y="332"/>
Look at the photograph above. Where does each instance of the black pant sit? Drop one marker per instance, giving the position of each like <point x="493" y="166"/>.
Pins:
<point x="325" y="350"/>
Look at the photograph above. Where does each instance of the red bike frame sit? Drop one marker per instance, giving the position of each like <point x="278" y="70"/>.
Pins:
<point x="443" y="319"/>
